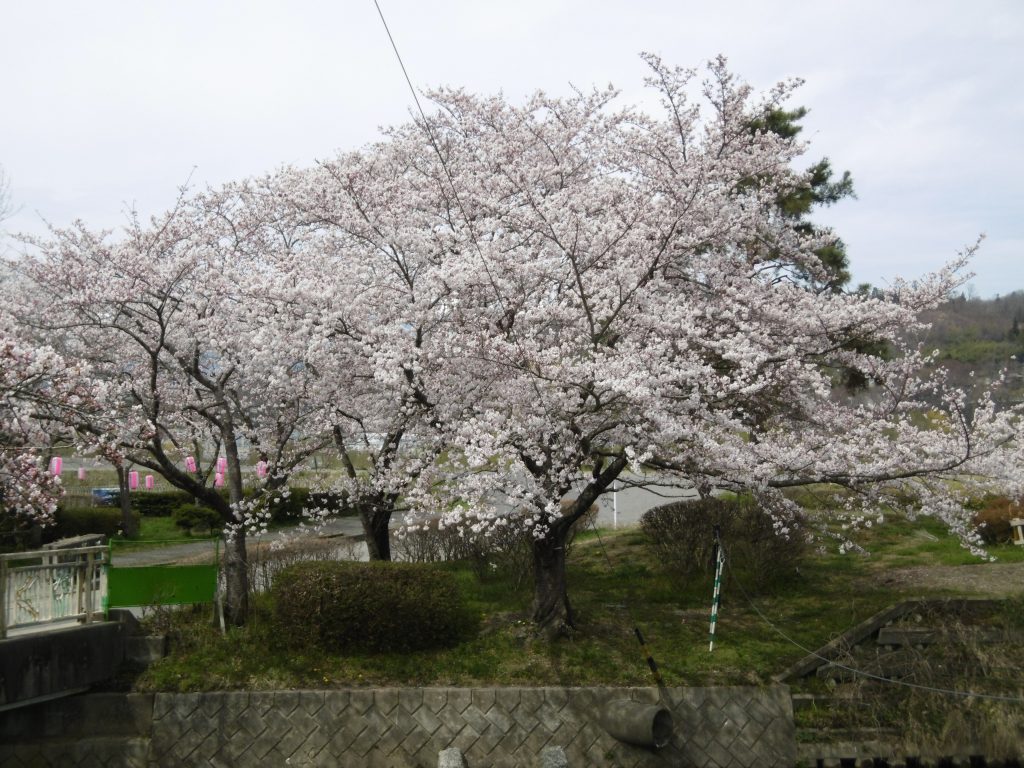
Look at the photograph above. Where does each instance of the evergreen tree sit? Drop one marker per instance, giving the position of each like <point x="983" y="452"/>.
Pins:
<point x="821" y="189"/>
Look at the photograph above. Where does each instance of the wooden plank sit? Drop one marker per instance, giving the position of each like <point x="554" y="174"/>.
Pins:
<point x="847" y="640"/>
<point x="907" y="636"/>
<point x="867" y="628"/>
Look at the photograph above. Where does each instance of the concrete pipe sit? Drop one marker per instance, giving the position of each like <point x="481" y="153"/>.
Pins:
<point x="633" y="722"/>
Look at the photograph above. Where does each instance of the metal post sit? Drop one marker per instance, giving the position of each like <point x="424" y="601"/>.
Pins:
<point x="88" y="587"/>
<point x="615" y="504"/>
<point x="715" y="600"/>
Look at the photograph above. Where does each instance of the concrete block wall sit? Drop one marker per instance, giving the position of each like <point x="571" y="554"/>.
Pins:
<point x="408" y="727"/>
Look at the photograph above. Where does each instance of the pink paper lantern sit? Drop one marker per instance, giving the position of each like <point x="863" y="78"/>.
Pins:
<point x="218" y="480"/>
<point x="190" y="464"/>
<point x="149" y="482"/>
<point x="81" y="473"/>
<point x="56" y="465"/>
<point x="133" y="481"/>
<point x="222" y="465"/>
<point x="261" y="469"/>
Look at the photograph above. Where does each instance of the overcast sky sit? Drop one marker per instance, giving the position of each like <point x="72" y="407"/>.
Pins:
<point x="112" y="104"/>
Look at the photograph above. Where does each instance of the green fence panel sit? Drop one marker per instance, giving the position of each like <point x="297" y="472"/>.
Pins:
<point x="161" y="585"/>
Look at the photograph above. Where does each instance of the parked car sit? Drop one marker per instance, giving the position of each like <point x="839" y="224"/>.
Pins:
<point x="106" y="497"/>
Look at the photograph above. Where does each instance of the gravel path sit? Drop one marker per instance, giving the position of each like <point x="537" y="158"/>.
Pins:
<point x="983" y="580"/>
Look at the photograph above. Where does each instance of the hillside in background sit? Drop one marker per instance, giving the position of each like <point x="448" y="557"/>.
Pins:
<point x="982" y="336"/>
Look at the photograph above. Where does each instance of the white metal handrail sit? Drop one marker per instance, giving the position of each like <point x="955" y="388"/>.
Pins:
<point x="51" y="585"/>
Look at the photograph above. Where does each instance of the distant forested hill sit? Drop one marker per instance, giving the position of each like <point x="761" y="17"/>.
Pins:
<point x="983" y="336"/>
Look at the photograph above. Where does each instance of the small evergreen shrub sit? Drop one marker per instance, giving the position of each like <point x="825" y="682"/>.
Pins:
<point x="375" y="607"/>
<point x="159" y="503"/>
<point x="682" y="538"/>
<point x="197" y="517"/>
<point x="77" y="521"/>
<point x="288" y="509"/>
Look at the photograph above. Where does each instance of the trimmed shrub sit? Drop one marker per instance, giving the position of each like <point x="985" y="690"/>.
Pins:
<point x="77" y="521"/>
<point x="159" y="503"/>
<point x="374" y="607"/>
<point x="993" y="519"/>
<point x="285" y="510"/>
<point x="198" y="517"/>
<point x="682" y="538"/>
<point x="289" y="509"/>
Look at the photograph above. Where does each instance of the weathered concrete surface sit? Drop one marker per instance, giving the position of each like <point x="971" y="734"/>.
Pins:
<point x="88" y="730"/>
<point x="396" y="727"/>
<point x="42" y="665"/>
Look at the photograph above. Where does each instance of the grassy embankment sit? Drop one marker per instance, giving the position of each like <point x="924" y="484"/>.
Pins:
<point x="616" y="585"/>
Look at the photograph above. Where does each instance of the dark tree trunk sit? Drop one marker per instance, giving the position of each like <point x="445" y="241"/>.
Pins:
<point x="236" y="580"/>
<point x="552" y="612"/>
<point x="376" y="519"/>
<point x="236" y="561"/>
<point x="129" y="525"/>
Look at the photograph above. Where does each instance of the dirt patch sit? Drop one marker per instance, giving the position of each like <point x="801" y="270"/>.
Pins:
<point x="983" y="580"/>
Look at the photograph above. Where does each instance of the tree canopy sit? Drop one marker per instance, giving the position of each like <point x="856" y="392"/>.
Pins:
<point x="510" y="305"/>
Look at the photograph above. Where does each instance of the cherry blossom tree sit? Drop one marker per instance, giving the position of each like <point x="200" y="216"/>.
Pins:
<point x="373" y="279"/>
<point x="631" y="296"/>
<point x="164" y="318"/>
<point x="38" y="388"/>
<point x="500" y="307"/>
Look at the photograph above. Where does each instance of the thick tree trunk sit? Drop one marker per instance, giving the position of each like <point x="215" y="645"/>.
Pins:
<point x="236" y="580"/>
<point x="129" y="526"/>
<point x="552" y="612"/>
<point x="376" y="519"/>
<point x="236" y="561"/>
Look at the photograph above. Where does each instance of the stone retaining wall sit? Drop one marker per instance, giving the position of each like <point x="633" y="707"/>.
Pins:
<point x="398" y="727"/>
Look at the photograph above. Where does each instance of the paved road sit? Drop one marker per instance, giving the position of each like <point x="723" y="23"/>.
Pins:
<point x="348" y="527"/>
<point x="620" y="509"/>
<point x="627" y="506"/>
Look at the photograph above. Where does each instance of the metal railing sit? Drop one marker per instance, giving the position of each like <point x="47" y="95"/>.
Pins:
<point x="51" y="585"/>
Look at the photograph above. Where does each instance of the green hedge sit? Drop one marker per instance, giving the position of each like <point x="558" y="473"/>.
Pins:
<point x="159" y="503"/>
<point x="77" y="521"/>
<point x="290" y="509"/>
<point x="375" y="607"/>
<point x="285" y="510"/>
<point x="197" y="516"/>
<point x="681" y="537"/>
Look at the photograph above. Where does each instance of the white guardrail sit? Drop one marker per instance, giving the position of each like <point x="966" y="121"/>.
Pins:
<point x="51" y="585"/>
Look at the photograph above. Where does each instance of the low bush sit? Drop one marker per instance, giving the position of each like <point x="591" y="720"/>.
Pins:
<point x="993" y="519"/>
<point x="197" y="517"/>
<point x="288" y="509"/>
<point x="77" y="521"/>
<point x="375" y="607"/>
<point x="159" y="503"/>
<point x="682" y="538"/>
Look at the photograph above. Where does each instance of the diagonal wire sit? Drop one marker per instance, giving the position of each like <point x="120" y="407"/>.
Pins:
<point x="440" y="155"/>
<point x="862" y="673"/>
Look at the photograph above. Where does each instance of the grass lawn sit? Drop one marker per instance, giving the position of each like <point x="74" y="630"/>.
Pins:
<point x="154" y="532"/>
<point x="615" y="585"/>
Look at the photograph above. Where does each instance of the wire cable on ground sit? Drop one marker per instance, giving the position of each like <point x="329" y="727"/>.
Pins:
<point x="651" y="663"/>
<point x="862" y="673"/>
